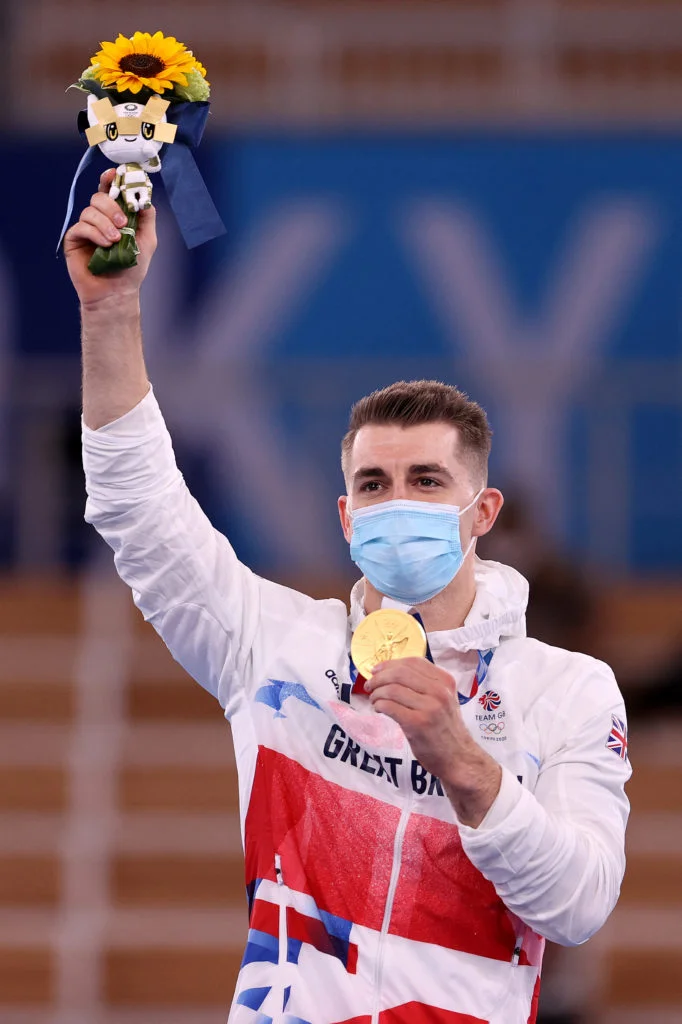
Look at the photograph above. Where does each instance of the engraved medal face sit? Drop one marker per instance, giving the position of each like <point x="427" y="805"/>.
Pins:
<point x="384" y="636"/>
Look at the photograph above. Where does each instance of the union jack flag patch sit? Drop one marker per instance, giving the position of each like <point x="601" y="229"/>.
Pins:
<point x="618" y="738"/>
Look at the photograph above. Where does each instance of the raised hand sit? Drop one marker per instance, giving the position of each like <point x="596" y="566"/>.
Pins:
<point x="99" y="224"/>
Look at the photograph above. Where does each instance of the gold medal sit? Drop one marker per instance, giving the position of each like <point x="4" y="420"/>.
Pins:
<point x="384" y="636"/>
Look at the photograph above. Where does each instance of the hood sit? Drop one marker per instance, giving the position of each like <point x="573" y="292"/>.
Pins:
<point x="499" y="610"/>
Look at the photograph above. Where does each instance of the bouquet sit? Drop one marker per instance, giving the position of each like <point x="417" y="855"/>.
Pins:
<point x="145" y="92"/>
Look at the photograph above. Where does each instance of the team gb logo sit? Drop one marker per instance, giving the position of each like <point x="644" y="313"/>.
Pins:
<point x="490" y="700"/>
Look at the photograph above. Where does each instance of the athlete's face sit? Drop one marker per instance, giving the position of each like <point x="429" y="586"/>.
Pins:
<point x="421" y="463"/>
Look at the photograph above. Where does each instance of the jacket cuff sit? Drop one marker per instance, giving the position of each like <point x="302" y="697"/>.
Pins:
<point x="142" y="421"/>
<point x="508" y="796"/>
<point x="128" y="460"/>
<point x="508" y="835"/>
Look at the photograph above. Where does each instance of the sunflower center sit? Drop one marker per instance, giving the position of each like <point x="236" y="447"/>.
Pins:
<point x="144" y="65"/>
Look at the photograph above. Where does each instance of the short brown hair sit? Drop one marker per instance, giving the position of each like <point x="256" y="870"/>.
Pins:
<point x="410" y="403"/>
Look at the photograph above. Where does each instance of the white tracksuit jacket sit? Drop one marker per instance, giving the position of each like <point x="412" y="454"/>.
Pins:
<point x="368" y="902"/>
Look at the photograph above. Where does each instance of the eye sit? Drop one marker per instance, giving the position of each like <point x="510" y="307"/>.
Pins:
<point x="112" y="131"/>
<point x="427" y="481"/>
<point x="371" y="487"/>
<point x="147" y="130"/>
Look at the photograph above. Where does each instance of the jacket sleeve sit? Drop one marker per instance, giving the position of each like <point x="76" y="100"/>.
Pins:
<point x="556" y="856"/>
<point x="218" y="619"/>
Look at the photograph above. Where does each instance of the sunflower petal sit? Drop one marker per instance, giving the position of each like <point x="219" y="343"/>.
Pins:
<point x="119" y="49"/>
<point x="141" y="42"/>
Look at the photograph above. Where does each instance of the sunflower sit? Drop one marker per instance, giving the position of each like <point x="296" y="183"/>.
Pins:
<point x="155" y="62"/>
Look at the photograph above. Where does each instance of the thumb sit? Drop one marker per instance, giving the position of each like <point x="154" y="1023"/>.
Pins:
<point x="146" y="225"/>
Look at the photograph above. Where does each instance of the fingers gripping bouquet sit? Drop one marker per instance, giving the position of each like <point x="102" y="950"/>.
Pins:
<point x="145" y="92"/>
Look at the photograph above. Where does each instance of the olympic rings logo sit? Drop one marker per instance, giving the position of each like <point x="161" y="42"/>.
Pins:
<point x="492" y="727"/>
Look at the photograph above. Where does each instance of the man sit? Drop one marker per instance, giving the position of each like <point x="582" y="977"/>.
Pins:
<point x="410" y="841"/>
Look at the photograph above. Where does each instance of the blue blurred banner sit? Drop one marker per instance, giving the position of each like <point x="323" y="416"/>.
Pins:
<point x="541" y="273"/>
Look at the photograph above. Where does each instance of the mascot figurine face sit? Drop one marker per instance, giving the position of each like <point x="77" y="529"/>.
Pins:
<point x="130" y="132"/>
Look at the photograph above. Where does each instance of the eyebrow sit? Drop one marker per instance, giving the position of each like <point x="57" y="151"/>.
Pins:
<point x="419" y="469"/>
<point x="422" y="469"/>
<point x="367" y="472"/>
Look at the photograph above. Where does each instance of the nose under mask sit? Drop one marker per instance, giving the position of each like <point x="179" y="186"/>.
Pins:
<point x="409" y="550"/>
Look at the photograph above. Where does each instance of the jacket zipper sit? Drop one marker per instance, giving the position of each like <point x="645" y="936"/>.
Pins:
<point x="390" y="897"/>
<point x="283" y="937"/>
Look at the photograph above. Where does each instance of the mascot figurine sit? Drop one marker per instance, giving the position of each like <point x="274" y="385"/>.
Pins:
<point x="143" y="93"/>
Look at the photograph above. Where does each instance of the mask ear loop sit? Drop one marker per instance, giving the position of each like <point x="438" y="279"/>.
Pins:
<point x="461" y="512"/>
<point x="473" y="501"/>
<point x="468" y="550"/>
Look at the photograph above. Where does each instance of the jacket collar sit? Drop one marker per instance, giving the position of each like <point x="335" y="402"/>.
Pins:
<point x="499" y="610"/>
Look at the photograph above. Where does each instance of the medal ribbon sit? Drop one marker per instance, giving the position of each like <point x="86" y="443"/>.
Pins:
<point x="484" y="659"/>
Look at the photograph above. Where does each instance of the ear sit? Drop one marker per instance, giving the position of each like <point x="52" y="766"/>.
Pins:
<point x="155" y="109"/>
<point x="92" y="99"/>
<point x="487" y="510"/>
<point x="345" y="517"/>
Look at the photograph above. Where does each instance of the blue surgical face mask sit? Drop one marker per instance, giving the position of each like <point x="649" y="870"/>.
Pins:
<point x="409" y="550"/>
